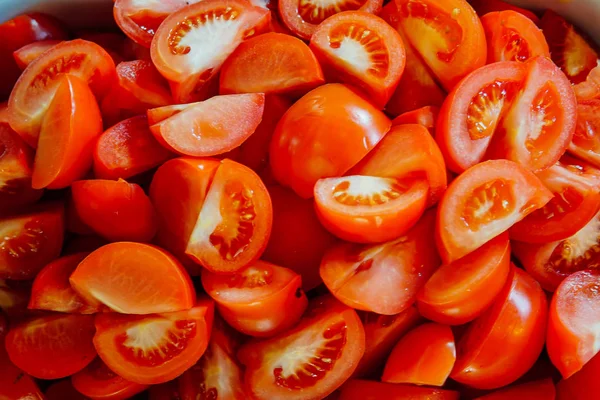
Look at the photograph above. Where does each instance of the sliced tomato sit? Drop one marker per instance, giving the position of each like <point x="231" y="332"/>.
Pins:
<point x="582" y="383"/>
<point x="586" y="140"/>
<point x="97" y="381"/>
<point x="357" y="389"/>
<point x="63" y="390"/>
<point x="115" y="210"/>
<point x="426" y="116"/>
<point x="460" y="291"/>
<point x="52" y="291"/>
<point x="320" y="137"/>
<point x="234" y="225"/>
<point x="32" y="51"/>
<point x="14" y="297"/>
<point x="537" y="390"/>
<point x="155" y="348"/>
<point x="272" y="63"/>
<point x="36" y="344"/>
<point x="483" y="202"/>
<point x="506" y="340"/>
<point x="33" y="93"/>
<point x="14" y="383"/>
<point x="30" y="240"/>
<point x="130" y="278"/>
<point x="359" y="48"/>
<point x="67" y="136"/>
<point x="382" y="278"/>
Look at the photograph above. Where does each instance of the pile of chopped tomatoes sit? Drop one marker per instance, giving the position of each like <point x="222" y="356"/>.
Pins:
<point x="237" y="199"/>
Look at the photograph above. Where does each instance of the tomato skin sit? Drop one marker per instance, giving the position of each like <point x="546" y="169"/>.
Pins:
<point x="30" y="52"/>
<point x="506" y="340"/>
<point x="538" y="390"/>
<point x="357" y="389"/>
<point x="582" y="383"/>
<point x="14" y="383"/>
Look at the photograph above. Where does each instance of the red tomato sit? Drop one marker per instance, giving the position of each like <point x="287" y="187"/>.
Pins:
<point x="63" y="390"/>
<point x="323" y="135"/>
<point x="30" y="240"/>
<point x="115" y="210"/>
<point x="538" y="390"/>
<point x="511" y="36"/>
<point x="383" y="278"/>
<point x="252" y="300"/>
<point x="212" y="126"/>
<point x="14" y="297"/>
<point x="67" y="136"/>
<point x="369" y="390"/>
<point x="52" y="291"/>
<point x="582" y="383"/>
<point x="191" y="44"/>
<point x="586" y="140"/>
<point x="37" y="86"/>
<point x="460" y="291"/>
<point x="97" y="381"/>
<point x="426" y="116"/>
<point x="361" y="49"/>
<point x="32" y="51"/>
<point x="487" y="6"/>
<point x="14" y="384"/>
<point x="424" y="356"/>
<point x="153" y="348"/>
<point x="36" y="344"/>
<point x="130" y="278"/>
<point x="310" y="360"/>
<point x="506" y="340"/>
<point x="273" y="63"/>
<point x="483" y="202"/>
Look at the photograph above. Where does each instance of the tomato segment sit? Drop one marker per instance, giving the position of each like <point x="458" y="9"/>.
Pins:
<point x="97" y="381"/>
<point x="29" y="53"/>
<point x="359" y="390"/>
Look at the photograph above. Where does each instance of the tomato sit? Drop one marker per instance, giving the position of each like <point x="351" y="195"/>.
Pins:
<point x="63" y="390"/>
<point x="67" y="136"/>
<point x="36" y="344"/>
<point x="153" y="348"/>
<point x="511" y="36"/>
<point x="424" y="356"/>
<point x="97" y="381"/>
<point x="361" y="49"/>
<point x="30" y="52"/>
<point x="272" y="63"/>
<point x="586" y="140"/>
<point x="212" y="126"/>
<point x="370" y="390"/>
<point x="483" y="202"/>
<point x="128" y="149"/>
<point x="14" y="384"/>
<point x="382" y="278"/>
<point x="191" y="44"/>
<point x="130" y="278"/>
<point x="538" y="390"/>
<point x="426" y="116"/>
<point x="582" y="383"/>
<point x="506" y="340"/>
<point x="233" y="227"/>
<point x="14" y="296"/>
<point x="323" y="135"/>
<point x="310" y="360"/>
<point x="30" y="240"/>
<point x="115" y="210"/>
<point x="52" y="291"/>
<point x="460" y="291"/>
<point x="37" y="86"/>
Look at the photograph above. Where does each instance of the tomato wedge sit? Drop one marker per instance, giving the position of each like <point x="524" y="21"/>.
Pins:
<point x="97" y="381"/>
<point x="32" y="51"/>
<point x="359" y="390"/>
<point x="272" y="63"/>
<point x="14" y="384"/>
<point x="586" y="140"/>
<point x="425" y="116"/>
<point x="130" y="278"/>
<point x="154" y="348"/>
<point x="537" y="390"/>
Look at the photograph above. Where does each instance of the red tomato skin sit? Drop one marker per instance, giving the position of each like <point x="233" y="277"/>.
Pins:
<point x="537" y="390"/>
<point x="356" y="389"/>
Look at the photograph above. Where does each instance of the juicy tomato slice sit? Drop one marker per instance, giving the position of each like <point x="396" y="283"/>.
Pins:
<point x="71" y="126"/>
<point x="14" y="384"/>
<point x="363" y="50"/>
<point x="32" y="51"/>
<point x="52" y="291"/>
<point x="424" y="356"/>
<point x="97" y="381"/>
<point x="272" y="63"/>
<point x="212" y="126"/>
<point x="586" y="140"/>
<point x="30" y="240"/>
<point x="191" y="44"/>
<point x="572" y="340"/>
<point x="321" y="137"/>
<point x="357" y="389"/>
<point x="460" y="291"/>
<point x="233" y="227"/>
<point x="425" y="116"/>
<point x="506" y="340"/>
<point x="14" y="297"/>
<point x="63" y="390"/>
<point x="128" y="149"/>
<point x="582" y="383"/>
<point x="154" y="348"/>
<point x="130" y="278"/>
<point x="251" y="300"/>
<point x="115" y="210"/>
<point x="310" y="360"/>
<point x="360" y="276"/>
<point x="35" y="344"/>
<point x="537" y="390"/>
<point x="33" y="93"/>
<point x="483" y="202"/>
<point x="511" y="36"/>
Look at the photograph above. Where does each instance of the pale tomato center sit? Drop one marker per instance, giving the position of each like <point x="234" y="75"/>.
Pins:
<point x="543" y="119"/>
<point x="580" y="251"/>
<point x="218" y="375"/>
<point x="516" y="48"/>
<point x="251" y="278"/>
<point x="487" y="203"/>
<point x="487" y="108"/>
<point x="362" y="190"/>
<point x="317" y="11"/>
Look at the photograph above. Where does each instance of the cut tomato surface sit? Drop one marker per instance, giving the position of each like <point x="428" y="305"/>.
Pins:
<point x="154" y="348"/>
<point x="30" y="52"/>
<point x="357" y="389"/>
<point x="425" y="116"/>
<point x="586" y="140"/>
<point x="134" y="278"/>
<point x="97" y="381"/>
<point x="537" y="390"/>
<point x="14" y="383"/>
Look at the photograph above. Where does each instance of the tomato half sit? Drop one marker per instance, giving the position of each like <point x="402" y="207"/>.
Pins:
<point x="30" y="52"/>
<point x="14" y="384"/>
<point x="425" y="116"/>
<point x="506" y="340"/>
<point x="382" y="278"/>
<point x="153" y="348"/>
<point x="537" y="390"/>
<point x="131" y="278"/>
<point x="586" y="140"/>
<point x="97" y="381"/>
<point x="582" y="383"/>
<point x="360" y="390"/>
<point x="252" y="299"/>
<point x="483" y="202"/>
